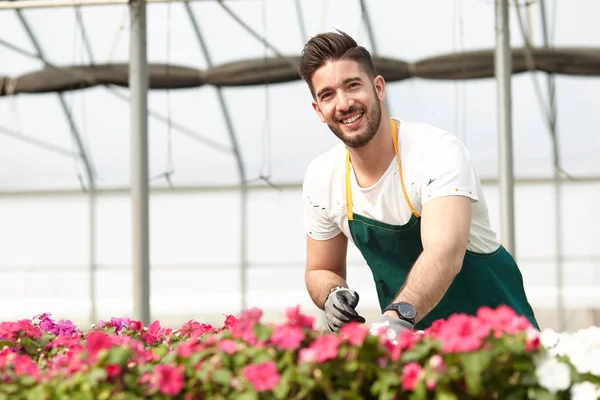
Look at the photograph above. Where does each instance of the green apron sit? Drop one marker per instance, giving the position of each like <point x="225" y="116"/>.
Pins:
<point x="390" y="251"/>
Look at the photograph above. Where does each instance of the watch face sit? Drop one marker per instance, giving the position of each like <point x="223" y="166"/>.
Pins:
<point x="407" y="310"/>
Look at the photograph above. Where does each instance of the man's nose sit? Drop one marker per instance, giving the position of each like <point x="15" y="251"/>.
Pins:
<point x="344" y="102"/>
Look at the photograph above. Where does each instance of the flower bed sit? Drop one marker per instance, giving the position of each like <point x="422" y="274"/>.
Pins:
<point x="496" y="355"/>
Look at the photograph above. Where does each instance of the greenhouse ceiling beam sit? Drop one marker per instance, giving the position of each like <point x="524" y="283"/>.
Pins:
<point x="110" y="191"/>
<point x="110" y="89"/>
<point x="29" y="4"/>
<point x="74" y="130"/>
<point x="371" y="34"/>
<point x="238" y="157"/>
<point x="39" y="143"/>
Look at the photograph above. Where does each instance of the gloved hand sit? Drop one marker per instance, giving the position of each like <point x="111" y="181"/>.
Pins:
<point x="339" y="308"/>
<point x="395" y="325"/>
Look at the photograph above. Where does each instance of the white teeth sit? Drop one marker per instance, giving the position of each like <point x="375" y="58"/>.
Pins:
<point x="351" y="120"/>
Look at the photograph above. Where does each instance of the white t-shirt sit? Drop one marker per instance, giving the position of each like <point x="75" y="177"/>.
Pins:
<point x="435" y="163"/>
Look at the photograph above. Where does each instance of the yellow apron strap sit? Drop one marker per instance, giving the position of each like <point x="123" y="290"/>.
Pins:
<point x="349" y="187"/>
<point x="395" y="140"/>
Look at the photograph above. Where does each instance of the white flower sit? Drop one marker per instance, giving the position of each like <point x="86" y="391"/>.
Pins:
<point x="552" y="374"/>
<point x="585" y="391"/>
<point x="548" y="338"/>
<point x="582" y="348"/>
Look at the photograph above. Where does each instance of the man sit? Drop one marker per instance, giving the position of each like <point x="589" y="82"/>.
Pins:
<point x="406" y="194"/>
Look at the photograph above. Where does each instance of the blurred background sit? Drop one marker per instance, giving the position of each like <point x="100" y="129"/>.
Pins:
<point x="226" y="162"/>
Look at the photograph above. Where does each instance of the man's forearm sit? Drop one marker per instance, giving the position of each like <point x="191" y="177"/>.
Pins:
<point x="428" y="281"/>
<point x="319" y="282"/>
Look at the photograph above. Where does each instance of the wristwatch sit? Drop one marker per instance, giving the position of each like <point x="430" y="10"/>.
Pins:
<point x="405" y="311"/>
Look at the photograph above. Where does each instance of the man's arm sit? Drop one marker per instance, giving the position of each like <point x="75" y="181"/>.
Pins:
<point x="325" y="266"/>
<point x="445" y="227"/>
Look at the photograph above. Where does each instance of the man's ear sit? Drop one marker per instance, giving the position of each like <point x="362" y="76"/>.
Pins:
<point x="379" y="84"/>
<point x="318" y="111"/>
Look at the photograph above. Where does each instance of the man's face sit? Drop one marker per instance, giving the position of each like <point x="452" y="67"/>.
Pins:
<point x="348" y="101"/>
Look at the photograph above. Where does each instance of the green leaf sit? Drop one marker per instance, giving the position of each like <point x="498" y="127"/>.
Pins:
<point x="283" y="387"/>
<point x="222" y="377"/>
<point x="420" y="392"/>
<point x="248" y="395"/>
<point x="474" y="365"/>
<point x="5" y="343"/>
<point x="96" y="375"/>
<point x="444" y="395"/>
<point x="541" y="394"/>
<point x="118" y="355"/>
<point x="262" y="332"/>
<point x="352" y="366"/>
<point x="105" y="394"/>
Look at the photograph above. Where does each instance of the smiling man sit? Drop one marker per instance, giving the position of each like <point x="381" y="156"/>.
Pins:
<point x="406" y="194"/>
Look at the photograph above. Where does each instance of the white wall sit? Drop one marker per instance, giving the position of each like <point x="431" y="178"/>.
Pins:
<point x="195" y="236"/>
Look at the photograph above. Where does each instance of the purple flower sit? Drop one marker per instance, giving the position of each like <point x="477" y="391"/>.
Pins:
<point x="119" y="322"/>
<point x="65" y="328"/>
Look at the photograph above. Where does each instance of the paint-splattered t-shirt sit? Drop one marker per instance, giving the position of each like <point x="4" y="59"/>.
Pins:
<point x="435" y="163"/>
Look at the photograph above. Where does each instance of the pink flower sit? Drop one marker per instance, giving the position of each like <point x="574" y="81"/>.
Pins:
<point x="227" y="345"/>
<point x="307" y="355"/>
<point x="326" y="347"/>
<point x="462" y="333"/>
<point x="411" y="373"/>
<point x="113" y="370"/>
<point x="14" y="330"/>
<point x="263" y="376"/>
<point x="185" y="349"/>
<point x="97" y="341"/>
<point x="24" y="365"/>
<point x="294" y="317"/>
<point x="430" y="383"/>
<point x="170" y="379"/>
<point x="532" y="341"/>
<point x="244" y="327"/>
<point x="153" y="333"/>
<point x="354" y="333"/>
<point x="230" y="321"/>
<point x="503" y="319"/>
<point x="135" y="325"/>
<point x="196" y="328"/>
<point x="436" y="362"/>
<point x="287" y="337"/>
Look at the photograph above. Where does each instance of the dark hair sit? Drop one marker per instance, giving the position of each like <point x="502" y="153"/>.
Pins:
<point x="332" y="46"/>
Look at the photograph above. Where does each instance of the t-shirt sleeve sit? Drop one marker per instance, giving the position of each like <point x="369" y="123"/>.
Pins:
<point x="315" y="199"/>
<point x="449" y="171"/>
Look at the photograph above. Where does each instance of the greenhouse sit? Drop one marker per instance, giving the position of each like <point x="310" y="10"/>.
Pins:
<point x="215" y="223"/>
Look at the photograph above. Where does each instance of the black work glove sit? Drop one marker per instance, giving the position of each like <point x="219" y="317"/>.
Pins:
<point x="339" y="308"/>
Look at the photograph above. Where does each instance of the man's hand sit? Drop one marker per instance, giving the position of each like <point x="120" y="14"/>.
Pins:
<point x="340" y="308"/>
<point x="395" y="325"/>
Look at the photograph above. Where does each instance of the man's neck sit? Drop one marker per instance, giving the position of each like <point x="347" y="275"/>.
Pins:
<point x="371" y="161"/>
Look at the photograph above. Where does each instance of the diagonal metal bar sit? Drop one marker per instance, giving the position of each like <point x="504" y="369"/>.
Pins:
<point x="39" y="143"/>
<point x="156" y="115"/>
<point x="369" y="26"/>
<point x="89" y="168"/>
<point x="84" y="35"/>
<point x="238" y="157"/>
<point x="252" y="32"/>
<point x="301" y="21"/>
<point x="367" y="21"/>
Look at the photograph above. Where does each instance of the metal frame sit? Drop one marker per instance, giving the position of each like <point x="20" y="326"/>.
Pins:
<point x="29" y="4"/>
<point x="238" y="158"/>
<point x="139" y="131"/>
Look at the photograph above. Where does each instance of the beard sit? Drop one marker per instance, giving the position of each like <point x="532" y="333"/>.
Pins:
<point x="363" y="135"/>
